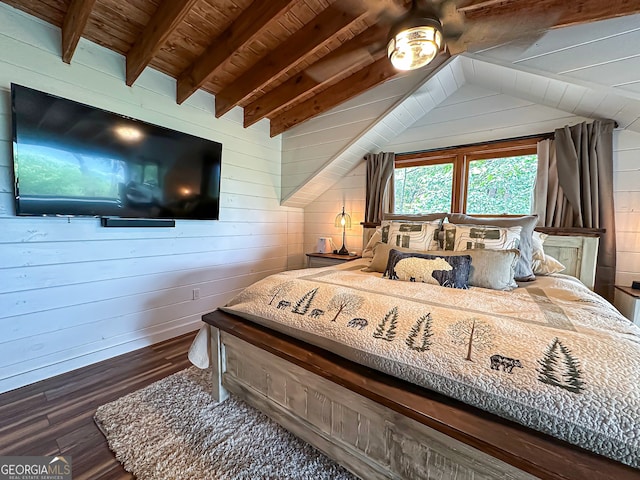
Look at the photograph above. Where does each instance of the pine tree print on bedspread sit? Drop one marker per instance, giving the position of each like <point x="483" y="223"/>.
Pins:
<point x="564" y="374"/>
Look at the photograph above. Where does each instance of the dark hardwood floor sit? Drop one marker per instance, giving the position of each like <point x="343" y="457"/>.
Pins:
<point x="55" y="416"/>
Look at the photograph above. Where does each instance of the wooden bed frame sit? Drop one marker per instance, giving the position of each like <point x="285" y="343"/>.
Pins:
<point x="378" y="426"/>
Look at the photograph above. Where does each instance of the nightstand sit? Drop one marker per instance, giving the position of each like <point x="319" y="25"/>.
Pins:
<point x="627" y="300"/>
<point x="326" y="259"/>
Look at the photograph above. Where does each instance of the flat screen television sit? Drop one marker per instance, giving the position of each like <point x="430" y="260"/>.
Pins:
<point x="73" y="159"/>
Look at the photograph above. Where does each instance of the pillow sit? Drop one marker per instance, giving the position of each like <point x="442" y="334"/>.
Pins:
<point x="542" y="263"/>
<point x="524" y="270"/>
<point x="381" y="257"/>
<point x="547" y="266"/>
<point x="472" y="237"/>
<point x="419" y="236"/>
<point x="446" y="271"/>
<point x="537" y="250"/>
<point x="375" y="238"/>
<point x="492" y="269"/>
<point x="403" y="217"/>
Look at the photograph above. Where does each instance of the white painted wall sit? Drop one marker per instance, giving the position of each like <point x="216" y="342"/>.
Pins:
<point x="73" y="293"/>
<point x="476" y="114"/>
<point x="320" y="151"/>
<point x="320" y="215"/>
<point x="627" y="204"/>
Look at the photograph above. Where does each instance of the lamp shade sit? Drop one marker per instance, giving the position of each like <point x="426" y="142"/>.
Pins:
<point x="343" y="220"/>
<point x="415" y="41"/>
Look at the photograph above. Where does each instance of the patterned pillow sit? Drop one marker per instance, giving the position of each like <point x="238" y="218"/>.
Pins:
<point x="471" y="237"/>
<point x="418" y="236"/>
<point x="446" y="271"/>
<point x="524" y="272"/>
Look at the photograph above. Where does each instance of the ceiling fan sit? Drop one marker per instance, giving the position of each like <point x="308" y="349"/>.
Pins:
<point x="419" y="34"/>
<point x="415" y="38"/>
<point x="419" y="30"/>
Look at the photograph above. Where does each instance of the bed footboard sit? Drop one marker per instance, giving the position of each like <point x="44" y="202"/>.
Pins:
<point x="378" y="426"/>
<point x="369" y="439"/>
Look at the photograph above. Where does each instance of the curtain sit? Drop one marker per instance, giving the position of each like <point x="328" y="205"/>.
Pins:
<point x="549" y="201"/>
<point x="577" y="189"/>
<point x="380" y="194"/>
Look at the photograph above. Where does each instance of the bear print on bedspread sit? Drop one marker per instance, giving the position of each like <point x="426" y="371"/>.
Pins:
<point x="444" y="270"/>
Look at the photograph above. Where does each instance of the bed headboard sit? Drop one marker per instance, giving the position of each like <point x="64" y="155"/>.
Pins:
<point x="575" y="248"/>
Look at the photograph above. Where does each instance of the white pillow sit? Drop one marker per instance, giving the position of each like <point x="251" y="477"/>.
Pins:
<point x="542" y="263"/>
<point x="375" y="238"/>
<point x="547" y="266"/>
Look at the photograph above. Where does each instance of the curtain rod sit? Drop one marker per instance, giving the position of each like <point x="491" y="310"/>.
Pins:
<point x="490" y="142"/>
<point x="542" y="136"/>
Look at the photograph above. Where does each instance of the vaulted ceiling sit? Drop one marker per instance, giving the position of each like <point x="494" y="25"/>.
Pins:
<point x="290" y="60"/>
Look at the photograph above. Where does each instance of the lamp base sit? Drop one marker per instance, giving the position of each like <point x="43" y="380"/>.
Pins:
<point x="343" y="251"/>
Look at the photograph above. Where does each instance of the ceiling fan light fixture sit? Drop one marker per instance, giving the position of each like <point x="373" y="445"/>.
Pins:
<point x="414" y="42"/>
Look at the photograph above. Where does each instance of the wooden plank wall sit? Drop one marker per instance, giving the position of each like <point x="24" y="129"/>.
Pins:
<point x="73" y="293"/>
<point x="319" y="216"/>
<point x="627" y="203"/>
<point x="308" y="147"/>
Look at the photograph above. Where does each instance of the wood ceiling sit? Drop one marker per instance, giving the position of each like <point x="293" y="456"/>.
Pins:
<point x="289" y="60"/>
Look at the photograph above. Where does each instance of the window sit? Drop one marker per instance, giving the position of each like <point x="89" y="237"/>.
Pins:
<point x="492" y="179"/>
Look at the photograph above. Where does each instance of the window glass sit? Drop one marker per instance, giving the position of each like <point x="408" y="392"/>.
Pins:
<point x="423" y="189"/>
<point x="501" y="185"/>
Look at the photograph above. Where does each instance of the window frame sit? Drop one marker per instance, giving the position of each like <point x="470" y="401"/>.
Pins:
<point x="462" y="156"/>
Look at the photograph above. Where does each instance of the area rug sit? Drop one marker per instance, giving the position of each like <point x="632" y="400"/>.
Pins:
<point x="172" y="429"/>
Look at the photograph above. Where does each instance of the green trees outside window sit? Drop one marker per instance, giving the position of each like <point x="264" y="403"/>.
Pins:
<point x="502" y="185"/>
<point x="493" y="178"/>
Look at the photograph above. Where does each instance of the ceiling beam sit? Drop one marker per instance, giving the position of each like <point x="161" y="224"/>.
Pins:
<point x="350" y="57"/>
<point x="377" y="73"/>
<point x="305" y="42"/>
<point x="560" y="13"/>
<point x="74" y="23"/>
<point x="352" y="86"/>
<point x="168" y="16"/>
<point x="252" y="23"/>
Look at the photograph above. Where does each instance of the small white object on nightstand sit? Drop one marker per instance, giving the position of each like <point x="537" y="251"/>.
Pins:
<point x="627" y="301"/>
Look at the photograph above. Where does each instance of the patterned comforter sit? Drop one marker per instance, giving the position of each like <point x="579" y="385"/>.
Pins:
<point x="552" y="356"/>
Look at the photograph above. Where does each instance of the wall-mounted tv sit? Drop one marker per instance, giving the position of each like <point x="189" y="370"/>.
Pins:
<point x="73" y="159"/>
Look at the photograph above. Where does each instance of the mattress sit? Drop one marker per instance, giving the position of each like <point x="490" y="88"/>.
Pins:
<point x="550" y="355"/>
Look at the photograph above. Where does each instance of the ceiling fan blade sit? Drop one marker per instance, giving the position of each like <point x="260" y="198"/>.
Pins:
<point x="386" y="12"/>
<point x="489" y="32"/>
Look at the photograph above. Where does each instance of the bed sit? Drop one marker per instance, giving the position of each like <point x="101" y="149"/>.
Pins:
<point x="320" y="374"/>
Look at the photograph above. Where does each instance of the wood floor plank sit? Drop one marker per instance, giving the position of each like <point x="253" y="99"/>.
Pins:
<point x="55" y="416"/>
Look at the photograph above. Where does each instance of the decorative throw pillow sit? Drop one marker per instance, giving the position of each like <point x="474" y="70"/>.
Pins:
<point x="524" y="270"/>
<point x="472" y="237"/>
<point x="375" y="238"/>
<point x="542" y="263"/>
<point x="446" y="271"/>
<point x="494" y="269"/>
<point x="419" y="236"/>
<point x="537" y="240"/>
<point x="381" y="256"/>
<point x="547" y="266"/>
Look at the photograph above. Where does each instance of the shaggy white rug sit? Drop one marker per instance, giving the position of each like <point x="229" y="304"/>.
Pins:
<point x="172" y="429"/>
